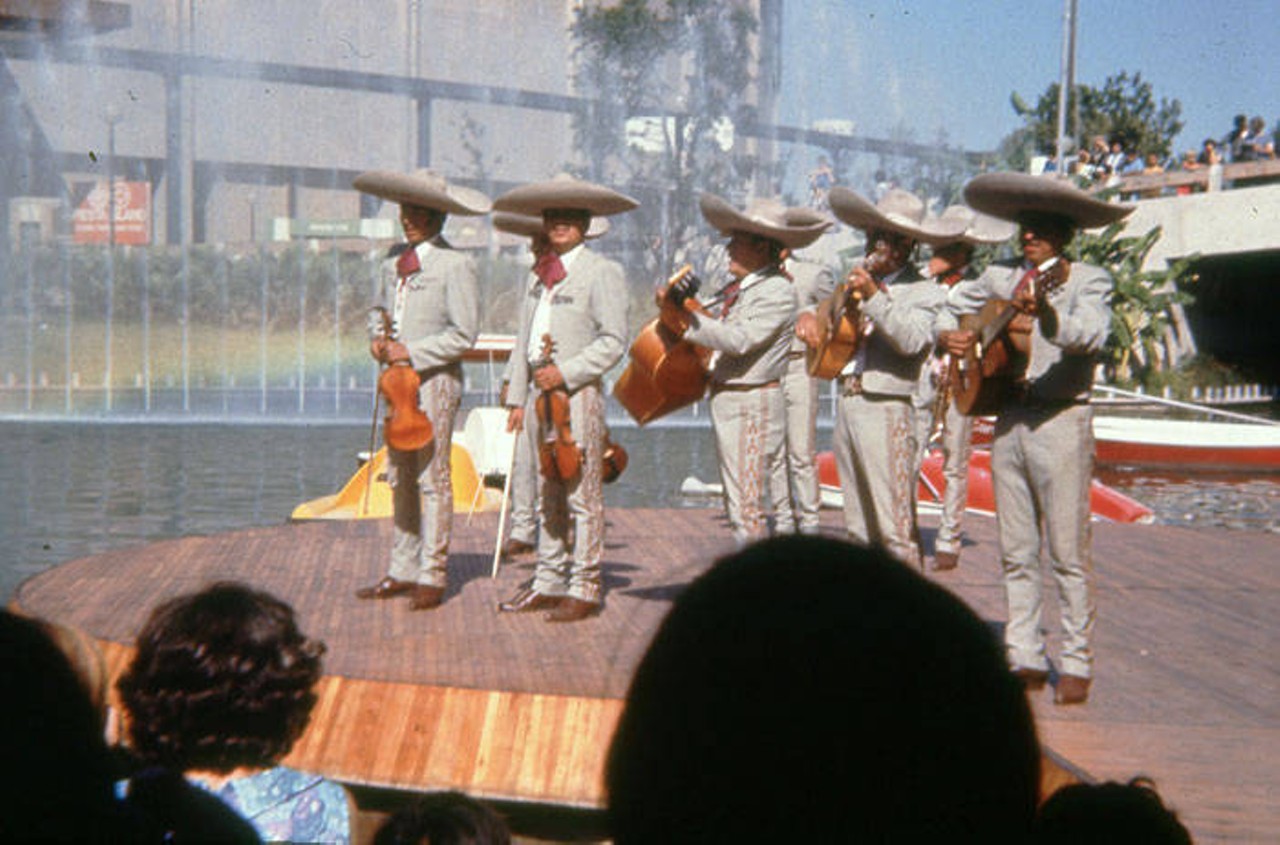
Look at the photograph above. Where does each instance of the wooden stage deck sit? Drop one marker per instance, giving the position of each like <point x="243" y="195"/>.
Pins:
<point x="513" y="709"/>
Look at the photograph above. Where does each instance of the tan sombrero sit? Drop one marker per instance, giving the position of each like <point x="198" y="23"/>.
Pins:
<point x="424" y="188"/>
<point x="767" y="218"/>
<point x="528" y="225"/>
<point x="979" y="229"/>
<point x="1009" y="196"/>
<point x="897" y="211"/>
<point x="564" y="192"/>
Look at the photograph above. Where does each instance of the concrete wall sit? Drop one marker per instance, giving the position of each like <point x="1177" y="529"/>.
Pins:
<point x="1241" y="220"/>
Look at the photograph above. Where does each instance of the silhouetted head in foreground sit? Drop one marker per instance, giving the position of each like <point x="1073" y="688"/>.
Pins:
<point x="809" y="690"/>
<point x="1107" y="813"/>
<point x="444" y="818"/>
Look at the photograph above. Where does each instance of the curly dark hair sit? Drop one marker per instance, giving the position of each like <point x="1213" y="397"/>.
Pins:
<point x="222" y="678"/>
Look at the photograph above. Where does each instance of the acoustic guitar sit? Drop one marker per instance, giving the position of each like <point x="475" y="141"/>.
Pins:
<point x="665" y="372"/>
<point x="840" y="324"/>
<point x="981" y="380"/>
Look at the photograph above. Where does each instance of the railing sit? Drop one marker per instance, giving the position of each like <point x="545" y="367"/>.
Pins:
<point x="1211" y="178"/>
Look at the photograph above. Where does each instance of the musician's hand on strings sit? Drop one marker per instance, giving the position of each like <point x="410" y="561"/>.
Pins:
<point x="957" y="342"/>
<point x="808" y="329"/>
<point x="1025" y="301"/>
<point x="515" y="419"/>
<point x="862" y="284"/>
<point x="388" y="351"/>
<point x="686" y="287"/>
<point x="1022" y="323"/>
<point x="548" y="377"/>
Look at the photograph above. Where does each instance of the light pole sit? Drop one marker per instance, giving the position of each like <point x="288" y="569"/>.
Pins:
<point x="112" y="117"/>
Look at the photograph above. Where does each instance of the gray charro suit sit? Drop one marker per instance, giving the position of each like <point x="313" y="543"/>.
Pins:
<point x="588" y="325"/>
<point x="524" y="474"/>
<point x="955" y="438"/>
<point x="437" y="320"/>
<point x="875" y="431"/>
<point x="752" y="342"/>
<point x="1042" y="461"/>
<point x="793" y="480"/>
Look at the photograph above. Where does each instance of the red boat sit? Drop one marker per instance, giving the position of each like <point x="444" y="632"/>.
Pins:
<point x="1106" y="503"/>
<point x="1187" y="445"/>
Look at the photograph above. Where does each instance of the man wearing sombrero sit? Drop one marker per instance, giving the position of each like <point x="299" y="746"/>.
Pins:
<point x="748" y="324"/>
<point x="875" y="430"/>
<point x="793" y="481"/>
<point x="523" y="538"/>
<point x="1042" y="458"/>
<point x="577" y="299"/>
<point x="431" y="293"/>
<point x="950" y="263"/>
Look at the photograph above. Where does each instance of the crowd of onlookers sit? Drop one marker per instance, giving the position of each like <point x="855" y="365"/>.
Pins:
<point x="863" y="702"/>
<point x="1107" y="161"/>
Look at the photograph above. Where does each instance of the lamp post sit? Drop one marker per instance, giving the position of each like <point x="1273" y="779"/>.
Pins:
<point x="112" y="117"/>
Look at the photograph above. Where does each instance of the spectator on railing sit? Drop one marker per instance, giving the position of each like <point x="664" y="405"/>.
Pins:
<point x="1209" y="153"/>
<point x="1189" y="163"/>
<point x="1151" y="167"/>
<point x="1083" y="166"/>
<point x="1256" y="146"/>
<point x="1233" y="143"/>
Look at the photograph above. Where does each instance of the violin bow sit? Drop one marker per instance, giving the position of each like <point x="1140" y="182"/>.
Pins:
<point x="506" y="500"/>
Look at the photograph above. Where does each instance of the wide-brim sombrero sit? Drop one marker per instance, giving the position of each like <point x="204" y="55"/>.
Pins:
<point x="424" y="188"/>
<point x="979" y="229"/>
<point x="767" y="218"/>
<point x="529" y="226"/>
<point x="1012" y="196"/>
<point x="565" y="193"/>
<point x="897" y="211"/>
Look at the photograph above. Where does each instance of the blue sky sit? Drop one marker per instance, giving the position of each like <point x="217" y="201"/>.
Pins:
<point x="953" y="64"/>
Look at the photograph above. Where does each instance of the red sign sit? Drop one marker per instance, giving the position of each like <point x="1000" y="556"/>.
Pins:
<point x="89" y="222"/>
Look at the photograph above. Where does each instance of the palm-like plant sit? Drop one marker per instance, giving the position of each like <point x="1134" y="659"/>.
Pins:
<point x="1140" y="301"/>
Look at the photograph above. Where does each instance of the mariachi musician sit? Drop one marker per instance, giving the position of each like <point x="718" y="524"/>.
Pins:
<point x="793" y="482"/>
<point x="748" y="325"/>
<point x="1042" y="457"/>
<point x="573" y="329"/>
<point x="937" y="415"/>
<point x="875" y="432"/>
<point x="523" y="539"/>
<point x="431" y="293"/>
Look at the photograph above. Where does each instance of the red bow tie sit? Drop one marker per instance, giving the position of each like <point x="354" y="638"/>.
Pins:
<point x="408" y="264"/>
<point x="549" y="269"/>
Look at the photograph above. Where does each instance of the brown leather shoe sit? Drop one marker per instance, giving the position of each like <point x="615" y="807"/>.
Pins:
<point x="387" y="588"/>
<point x="942" y="561"/>
<point x="425" y="597"/>
<point x="1071" y="689"/>
<point x="516" y="548"/>
<point x="1032" y="679"/>
<point x="573" y="609"/>
<point x="527" y="599"/>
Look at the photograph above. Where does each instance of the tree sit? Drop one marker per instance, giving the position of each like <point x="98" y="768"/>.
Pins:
<point x="1124" y="107"/>
<point x="674" y="74"/>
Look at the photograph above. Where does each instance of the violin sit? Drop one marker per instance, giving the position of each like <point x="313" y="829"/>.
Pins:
<point x="405" y="428"/>
<point x="559" y="457"/>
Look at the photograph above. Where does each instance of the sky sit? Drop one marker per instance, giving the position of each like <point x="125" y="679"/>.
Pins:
<point x="952" y="64"/>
